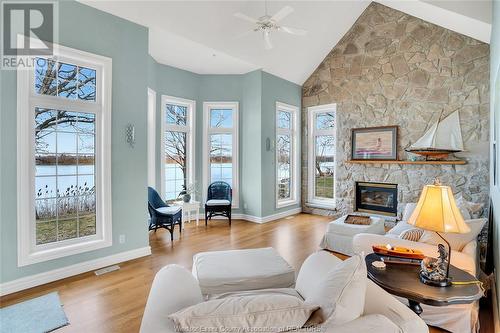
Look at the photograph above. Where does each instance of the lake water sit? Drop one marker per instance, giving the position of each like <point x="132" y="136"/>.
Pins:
<point x="47" y="184"/>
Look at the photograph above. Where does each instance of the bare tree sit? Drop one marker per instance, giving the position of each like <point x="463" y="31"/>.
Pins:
<point x="175" y="141"/>
<point x="322" y="148"/>
<point x="283" y="147"/>
<point x="175" y="150"/>
<point x="326" y="120"/>
<point x="52" y="78"/>
<point x="215" y="148"/>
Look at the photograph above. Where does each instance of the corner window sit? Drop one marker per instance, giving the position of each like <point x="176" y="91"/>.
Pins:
<point x="221" y="145"/>
<point x="321" y="155"/>
<point x="64" y="187"/>
<point x="286" y="155"/>
<point x="177" y="142"/>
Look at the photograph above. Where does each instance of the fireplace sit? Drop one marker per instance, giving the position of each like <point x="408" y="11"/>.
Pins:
<point x="377" y="198"/>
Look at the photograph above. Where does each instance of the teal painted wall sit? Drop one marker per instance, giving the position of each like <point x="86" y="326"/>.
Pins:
<point x="495" y="121"/>
<point x="251" y="145"/>
<point x="127" y="44"/>
<point x="275" y="89"/>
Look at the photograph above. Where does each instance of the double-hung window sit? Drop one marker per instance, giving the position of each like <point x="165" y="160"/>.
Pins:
<point x="286" y="155"/>
<point x="64" y="158"/>
<point x="321" y="155"/>
<point x="221" y="145"/>
<point x="178" y="140"/>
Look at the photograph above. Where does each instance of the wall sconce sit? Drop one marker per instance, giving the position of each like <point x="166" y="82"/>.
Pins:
<point x="269" y="144"/>
<point x="130" y="135"/>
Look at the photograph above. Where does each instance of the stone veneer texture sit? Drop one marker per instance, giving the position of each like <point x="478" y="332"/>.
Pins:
<point x="394" y="69"/>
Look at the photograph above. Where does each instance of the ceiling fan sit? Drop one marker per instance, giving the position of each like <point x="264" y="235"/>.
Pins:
<point x="267" y="24"/>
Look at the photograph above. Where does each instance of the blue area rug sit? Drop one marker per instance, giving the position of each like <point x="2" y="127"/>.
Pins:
<point x="38" y="315"/>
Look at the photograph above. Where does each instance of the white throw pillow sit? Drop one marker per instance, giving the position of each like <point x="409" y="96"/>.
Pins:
<point x="469" y="210"/>
<point x="409" y="208"/>
<point x="412" y="234"/>
<point x="457" y="241"/>
<point x="269" y="313"/>
<point x="341" y="294"/>
<point x="402" y="225"/>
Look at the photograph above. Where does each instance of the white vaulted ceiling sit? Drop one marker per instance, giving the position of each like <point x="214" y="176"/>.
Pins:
<point x="204" y="37"/>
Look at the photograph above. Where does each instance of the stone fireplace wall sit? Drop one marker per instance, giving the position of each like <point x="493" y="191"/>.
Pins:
<point x="394" y="69"/>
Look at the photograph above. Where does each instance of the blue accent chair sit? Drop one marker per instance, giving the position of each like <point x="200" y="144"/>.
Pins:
<point x="163" y="215"/>
<point x="219" y="201"/>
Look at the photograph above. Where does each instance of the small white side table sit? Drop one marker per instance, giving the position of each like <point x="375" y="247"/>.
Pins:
<point x="187" y="209"/>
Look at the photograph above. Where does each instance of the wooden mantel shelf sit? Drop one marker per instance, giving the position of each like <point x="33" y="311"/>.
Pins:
<point x="454" y="162"/>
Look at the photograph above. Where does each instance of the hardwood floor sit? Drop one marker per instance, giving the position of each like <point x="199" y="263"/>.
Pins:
<point x="114" y="302"/>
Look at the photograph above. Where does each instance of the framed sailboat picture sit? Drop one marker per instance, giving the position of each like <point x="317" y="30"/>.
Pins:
<point x="375" y="143"/>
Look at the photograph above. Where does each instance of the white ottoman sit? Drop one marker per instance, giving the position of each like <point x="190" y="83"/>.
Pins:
<point x="338" y="236"/>
<point x="238" y="270"/>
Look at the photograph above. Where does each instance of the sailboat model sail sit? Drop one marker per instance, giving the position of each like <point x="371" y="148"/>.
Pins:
<point x="442" y="138"/>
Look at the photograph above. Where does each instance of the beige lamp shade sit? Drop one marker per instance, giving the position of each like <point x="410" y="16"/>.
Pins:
<point x="437" y="211"/>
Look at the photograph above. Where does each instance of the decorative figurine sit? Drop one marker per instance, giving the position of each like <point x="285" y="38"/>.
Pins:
<point x="435" y="270"/>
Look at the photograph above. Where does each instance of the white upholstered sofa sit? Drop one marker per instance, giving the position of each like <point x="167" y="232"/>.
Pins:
<point x="461" y="318"/>
<point x="175" y="288"/>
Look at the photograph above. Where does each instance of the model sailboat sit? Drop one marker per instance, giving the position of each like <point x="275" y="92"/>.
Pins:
<point x="442" y="139"/>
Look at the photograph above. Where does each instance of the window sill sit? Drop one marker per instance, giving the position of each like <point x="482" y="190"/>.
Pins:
<point x="322" y="205"/>
<point x="286" y="203"/>
<point x="62" y="251"/>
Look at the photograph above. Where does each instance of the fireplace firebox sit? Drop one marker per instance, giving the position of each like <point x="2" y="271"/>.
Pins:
<point x="377" y="198"/>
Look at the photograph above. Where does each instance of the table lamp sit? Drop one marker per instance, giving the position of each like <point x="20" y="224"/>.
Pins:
<point x="437" y="211"/>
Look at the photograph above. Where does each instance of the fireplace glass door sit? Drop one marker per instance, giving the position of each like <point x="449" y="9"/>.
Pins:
<point x="377" y="198"/>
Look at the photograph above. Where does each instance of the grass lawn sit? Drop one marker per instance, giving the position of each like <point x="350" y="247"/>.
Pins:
<point x="48" y="231"/>
<point x="324" y="186"/>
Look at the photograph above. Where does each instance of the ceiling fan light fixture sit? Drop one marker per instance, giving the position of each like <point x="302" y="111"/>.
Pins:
<point x="266" y="24"/>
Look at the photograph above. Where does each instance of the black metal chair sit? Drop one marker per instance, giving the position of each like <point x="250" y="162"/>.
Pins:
<point x="219" y="200"/>
<point x="163" y="215"/>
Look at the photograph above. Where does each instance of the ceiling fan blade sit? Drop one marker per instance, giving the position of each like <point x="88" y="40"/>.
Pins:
<point x="245" y="17"/>
<point x="293" y="31"/>
<point x="283" y="12"/>
<point x="267" y="40"/>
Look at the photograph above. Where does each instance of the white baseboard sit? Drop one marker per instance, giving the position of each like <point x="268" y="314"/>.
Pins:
<point x="256" y="219"/>
<point x="64" y="272"/>
<point x="272" y="217"/>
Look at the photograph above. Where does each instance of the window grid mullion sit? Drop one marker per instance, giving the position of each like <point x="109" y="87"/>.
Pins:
<point x="220" y="130"/>
<point x="57" y="186"/>
<point x="177" y="128"/>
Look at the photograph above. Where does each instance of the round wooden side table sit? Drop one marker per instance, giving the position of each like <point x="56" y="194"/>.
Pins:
<point x="403" y="280"/>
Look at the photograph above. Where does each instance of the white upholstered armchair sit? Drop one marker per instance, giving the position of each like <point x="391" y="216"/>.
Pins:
<point x="382" y="312"/>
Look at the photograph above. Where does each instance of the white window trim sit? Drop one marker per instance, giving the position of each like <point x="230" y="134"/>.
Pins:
<point x="151" y="137"/>
<point x="28" y="252"/>
<point x="207" y="106"/>
<point x="190" y="136"/>
<point x="293" y="132"/>
<point x="312" y="200"/>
